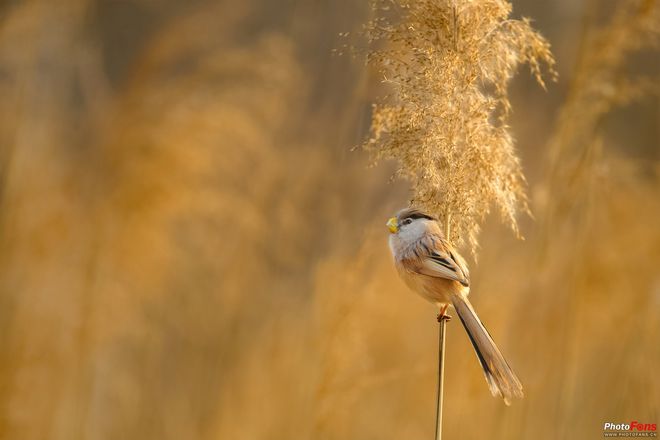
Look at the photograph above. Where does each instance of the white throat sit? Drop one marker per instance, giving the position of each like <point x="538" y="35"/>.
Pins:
<point x="407" y="236"/>
<point x="411" y="233"/>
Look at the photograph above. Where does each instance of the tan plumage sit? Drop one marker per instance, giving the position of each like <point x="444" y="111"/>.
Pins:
<point x="432" y="267"/>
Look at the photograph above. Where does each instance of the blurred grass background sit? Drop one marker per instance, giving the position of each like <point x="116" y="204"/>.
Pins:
<point x="190" y="249"/>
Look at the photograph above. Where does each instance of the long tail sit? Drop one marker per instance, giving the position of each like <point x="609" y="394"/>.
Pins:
<point x="499" y="375"/>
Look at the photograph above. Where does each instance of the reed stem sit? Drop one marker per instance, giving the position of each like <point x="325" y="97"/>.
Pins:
<point x="442" y="323"/>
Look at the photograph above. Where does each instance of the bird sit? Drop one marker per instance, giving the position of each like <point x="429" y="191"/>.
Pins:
<point x="430" y="266"/>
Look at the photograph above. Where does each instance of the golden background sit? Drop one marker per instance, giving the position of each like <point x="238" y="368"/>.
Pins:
<point x="190" y="248"/>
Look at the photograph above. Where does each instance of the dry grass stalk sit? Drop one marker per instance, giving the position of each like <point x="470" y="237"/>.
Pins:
<point x="442" y="329"/>
<point x="603" y="82"/>
<point x="445" y="123"/>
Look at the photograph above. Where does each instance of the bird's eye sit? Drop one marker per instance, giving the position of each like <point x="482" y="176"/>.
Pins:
<point x="407" y="221"/>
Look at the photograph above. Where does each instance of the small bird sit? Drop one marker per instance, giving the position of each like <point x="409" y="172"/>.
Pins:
<point x="432" y="267"/>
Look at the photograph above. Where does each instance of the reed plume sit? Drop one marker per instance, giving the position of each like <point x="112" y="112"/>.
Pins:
<point x="448" y="65"/>
<point x="605" y="80"/>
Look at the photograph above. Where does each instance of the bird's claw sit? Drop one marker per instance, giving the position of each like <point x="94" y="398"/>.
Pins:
<point x="443" y="317"/>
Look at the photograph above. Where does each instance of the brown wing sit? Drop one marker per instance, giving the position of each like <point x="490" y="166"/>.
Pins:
<point x="441" y="261"/>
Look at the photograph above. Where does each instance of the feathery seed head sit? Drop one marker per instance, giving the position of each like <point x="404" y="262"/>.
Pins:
<point x="448" y="64"/>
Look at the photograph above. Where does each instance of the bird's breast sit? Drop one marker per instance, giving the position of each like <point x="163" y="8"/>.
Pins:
<point x="435" y="290"/>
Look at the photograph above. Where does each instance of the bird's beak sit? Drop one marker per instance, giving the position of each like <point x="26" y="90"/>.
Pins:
<point x="392" y="225"/>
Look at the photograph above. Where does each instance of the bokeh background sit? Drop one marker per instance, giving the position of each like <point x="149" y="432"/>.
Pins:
<point x="191" y="249"/>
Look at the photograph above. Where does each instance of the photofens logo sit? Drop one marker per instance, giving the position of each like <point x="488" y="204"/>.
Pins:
<point x="632" y="429"/>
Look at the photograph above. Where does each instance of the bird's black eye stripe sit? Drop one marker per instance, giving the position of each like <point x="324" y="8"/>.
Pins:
<point x="407" y="221"/>
<point x="418" y="215"/>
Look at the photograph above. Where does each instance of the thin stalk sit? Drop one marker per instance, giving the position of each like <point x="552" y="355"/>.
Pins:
<point x="442" y="323"/>
<point x="448" y="226"/>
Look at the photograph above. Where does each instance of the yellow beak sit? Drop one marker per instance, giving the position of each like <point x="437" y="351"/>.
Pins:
<point x="392" y="225"/>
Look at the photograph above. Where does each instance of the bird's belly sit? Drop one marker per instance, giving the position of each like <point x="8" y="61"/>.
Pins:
<point x="435" y="290"/>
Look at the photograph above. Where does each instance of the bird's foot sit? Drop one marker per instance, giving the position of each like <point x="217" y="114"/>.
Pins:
<point x="443" y="316"/>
